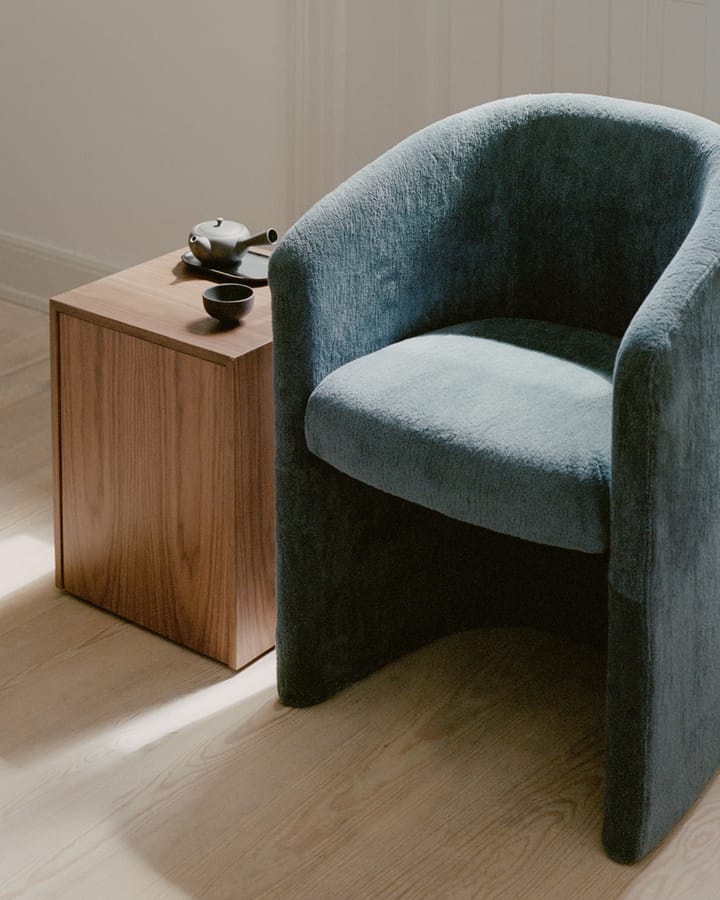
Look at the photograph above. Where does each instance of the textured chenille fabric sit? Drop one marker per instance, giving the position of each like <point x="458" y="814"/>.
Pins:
<point x="593" y="214"/>
<point x="505" y="423"/>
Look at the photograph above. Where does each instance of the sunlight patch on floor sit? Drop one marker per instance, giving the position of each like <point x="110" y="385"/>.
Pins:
<point x="23" y="559"/>
<point x="173" y="717"/>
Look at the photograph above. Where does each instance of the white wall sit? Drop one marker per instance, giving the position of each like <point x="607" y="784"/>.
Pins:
<point x="127" y="121"/>
<point x="392" y="66"/>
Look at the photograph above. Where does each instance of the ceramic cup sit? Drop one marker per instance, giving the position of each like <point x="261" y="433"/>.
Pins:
<point x="228" y="302"/>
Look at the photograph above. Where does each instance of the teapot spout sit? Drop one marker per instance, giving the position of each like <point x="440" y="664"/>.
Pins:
<point x="200" y="246"/>
<point x="262" y="237"/>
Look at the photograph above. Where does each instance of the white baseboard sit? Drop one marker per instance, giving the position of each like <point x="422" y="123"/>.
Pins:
<point x="31" y="272"/>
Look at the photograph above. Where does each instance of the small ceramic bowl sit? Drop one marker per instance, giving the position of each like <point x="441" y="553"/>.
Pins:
<point x="228" y="302"/>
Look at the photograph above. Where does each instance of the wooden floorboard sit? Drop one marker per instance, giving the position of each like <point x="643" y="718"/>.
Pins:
<point x="133" y="768"/>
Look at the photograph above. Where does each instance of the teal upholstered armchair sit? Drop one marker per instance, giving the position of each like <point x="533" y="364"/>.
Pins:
<point x="497" y="376"/>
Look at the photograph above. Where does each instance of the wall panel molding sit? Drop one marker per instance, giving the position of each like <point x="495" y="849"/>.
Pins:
<point x="712" y="60"/>
<point x="437" y="53"/>
<point x="475" y="52"/>
<point x="366" y="73"/>
<point x="348" y="79"/>
<point x="683" y="57"/>
<point x="652" y="50"/>
<point x="317" y="52"/>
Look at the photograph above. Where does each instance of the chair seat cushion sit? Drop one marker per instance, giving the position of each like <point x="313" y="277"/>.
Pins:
<point x="504" y="423"/>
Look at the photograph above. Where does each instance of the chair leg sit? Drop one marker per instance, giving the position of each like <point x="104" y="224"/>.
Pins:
<point x="663" y="720"/>
<point x="624" y="829"/>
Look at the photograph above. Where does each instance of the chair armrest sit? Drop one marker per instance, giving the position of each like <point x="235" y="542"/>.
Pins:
<point x="666" y="418"/>
<point x="664" y="568"/>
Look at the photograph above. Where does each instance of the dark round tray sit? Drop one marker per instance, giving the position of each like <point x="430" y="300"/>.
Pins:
<point x="252" y="269"/>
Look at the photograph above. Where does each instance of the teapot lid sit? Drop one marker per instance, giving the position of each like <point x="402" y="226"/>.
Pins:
<point x="220" y="228"/>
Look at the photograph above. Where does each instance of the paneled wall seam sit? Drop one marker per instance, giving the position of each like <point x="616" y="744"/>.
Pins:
<point x="437" y="43"/>
<point x="292" y="75"/>
<point x="501" y="38"/>
<point x="704" y="83"/>
<point x="711" y="107"/>
<point x="603" y="80"/>
<point x="340" y="44"/>
<point x="365" y="74"/>
<point x="545" y="45"/>
<point x="317" y="99"/>
<point x="501" y="42"/>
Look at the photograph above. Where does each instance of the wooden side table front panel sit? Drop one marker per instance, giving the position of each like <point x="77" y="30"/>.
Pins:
<point x="164" y="488"/>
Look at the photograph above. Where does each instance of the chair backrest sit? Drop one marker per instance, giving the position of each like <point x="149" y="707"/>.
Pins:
<point x="573" y="205"/>
<point x="606" y="196"/>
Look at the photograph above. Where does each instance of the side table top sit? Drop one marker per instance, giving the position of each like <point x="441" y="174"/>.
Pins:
<point x="161" y="300"/>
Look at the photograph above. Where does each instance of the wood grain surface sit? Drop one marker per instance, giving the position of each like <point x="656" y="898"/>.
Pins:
<point x="147" y="484"/>
<point x="254" y="551"/>
<point x="161" y="301"/>
<point x="164" y="451"/>
<point x="131" y="767"/>
<point x="55" y="423"/>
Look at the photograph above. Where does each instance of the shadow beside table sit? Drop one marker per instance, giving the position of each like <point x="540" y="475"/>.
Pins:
<point x="163" y="453"/>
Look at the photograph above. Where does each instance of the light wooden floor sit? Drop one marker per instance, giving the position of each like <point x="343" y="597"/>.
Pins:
<point x="132" y="768"/>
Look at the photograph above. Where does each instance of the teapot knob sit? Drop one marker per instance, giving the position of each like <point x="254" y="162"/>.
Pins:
<point x="219" y="221"/>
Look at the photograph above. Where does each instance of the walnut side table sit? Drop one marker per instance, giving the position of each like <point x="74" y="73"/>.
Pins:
<point x="163" y="454"/>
